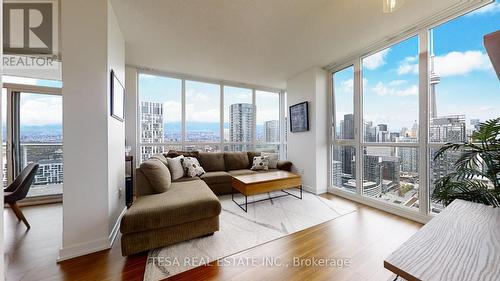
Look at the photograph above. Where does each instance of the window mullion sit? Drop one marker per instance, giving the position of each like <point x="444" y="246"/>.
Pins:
<point x="358" y="125"/>
<point x="183" y="115"/>
<point x="423" y="138"/>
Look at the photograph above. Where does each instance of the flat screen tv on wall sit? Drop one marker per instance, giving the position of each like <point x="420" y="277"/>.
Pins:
<point x="299" y="117"/>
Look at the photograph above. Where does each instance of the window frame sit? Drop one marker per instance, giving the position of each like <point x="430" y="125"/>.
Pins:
<point x="221" y="143"/>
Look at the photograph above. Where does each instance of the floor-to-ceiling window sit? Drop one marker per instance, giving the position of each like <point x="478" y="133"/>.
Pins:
<point x="160" y="114"/>
<point x="32" y="133"/>
<point x="390" y="110"/>
<point x="404" y="101"/>
<point x="343" y="152"/>
<point x="178" y="113"/>
<point x="239" y="121"/>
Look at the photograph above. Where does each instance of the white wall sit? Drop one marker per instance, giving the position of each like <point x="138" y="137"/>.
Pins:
<point x="93" y="143"/>
<point x="131" y="110"/>
<point x="308" y="150"/>
<point x="116" y="128"/>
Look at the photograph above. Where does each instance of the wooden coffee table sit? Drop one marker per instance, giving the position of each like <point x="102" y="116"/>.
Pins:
<point x="265" y="182"/>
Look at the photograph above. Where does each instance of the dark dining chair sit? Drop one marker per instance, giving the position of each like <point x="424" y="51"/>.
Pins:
<point x="18" y="190"/>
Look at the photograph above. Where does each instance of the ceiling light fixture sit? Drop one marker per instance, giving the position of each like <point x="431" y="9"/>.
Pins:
<point x="392" y="5"/>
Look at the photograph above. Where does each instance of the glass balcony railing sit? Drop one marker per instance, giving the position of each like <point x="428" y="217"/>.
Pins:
<point x="49" y="177"/>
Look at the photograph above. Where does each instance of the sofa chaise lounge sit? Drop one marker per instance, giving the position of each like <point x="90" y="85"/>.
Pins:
<point x="167" y="212"/>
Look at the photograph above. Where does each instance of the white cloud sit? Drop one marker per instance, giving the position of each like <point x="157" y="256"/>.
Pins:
<point x="172" y="111"/>
<point x="395" y="83"/>
<point x="38" y="111"/>
<point x="347" y="86"/>
<point x="460" y="63"/>
<point x="492" y="8"/>
<point x="376" y="60"/>
<point x="408" y="65"/>
<point x="382" y="89"/>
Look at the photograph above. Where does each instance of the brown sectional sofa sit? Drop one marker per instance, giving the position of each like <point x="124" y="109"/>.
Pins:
<point x="189" y="207"/>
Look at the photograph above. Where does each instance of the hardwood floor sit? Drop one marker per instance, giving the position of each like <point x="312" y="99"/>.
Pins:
<point x="364" y="238"/>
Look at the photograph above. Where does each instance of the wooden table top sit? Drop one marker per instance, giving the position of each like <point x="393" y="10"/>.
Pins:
<point x="461" y="243"/>
<point x="265" y="177"/>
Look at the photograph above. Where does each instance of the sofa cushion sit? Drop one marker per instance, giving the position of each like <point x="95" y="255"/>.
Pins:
<point x="216" y="177"/>
<point x="236" y="160"/>
<point x="212" y="161"/>
<point x="175" y="166"/>
<point x="241" y="172"/>
<point x="183" y="202"/>
<point x="177" y="153"/>
<point x="161" y="158"/>
<point x="157" y="175"/>
<point x="183" y="179"/>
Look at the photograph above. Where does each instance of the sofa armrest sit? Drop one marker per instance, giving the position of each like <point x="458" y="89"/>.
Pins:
<point x="284" y="165"/>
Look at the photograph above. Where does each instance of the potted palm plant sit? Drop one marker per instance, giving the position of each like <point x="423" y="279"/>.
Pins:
<point x="476" y="176"/>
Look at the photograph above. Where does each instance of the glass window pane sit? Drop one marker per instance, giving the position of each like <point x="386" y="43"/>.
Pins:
<point x="41" y="141"/>
<point x="160" y="111"/>
<point x="203" y="147"/>
<point x="390" y="94"/>
<point x="391" y="174"/>
<point x="160" y="108"/>
<point x="267" y="147"/>
<point x="238" y="147"/>
<point x="238" y="114"/>
<point x="464" y="88"/>
<point x="344" y="168"/>
<point x="202" y="112"/>
<point x="343" y="89"/>
<point x="268" y="116"/>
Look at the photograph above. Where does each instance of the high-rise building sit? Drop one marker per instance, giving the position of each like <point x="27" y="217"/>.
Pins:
<point x="336" y="173"/>
<point x="382" y="134"/>
<point x="348" y="127"/>
<point x="241" y="117"/>
<point x="151" y="115"/>
<point x="448" y="129"/>
<point x="409" y="156"/>
<point x="272" y="131"/>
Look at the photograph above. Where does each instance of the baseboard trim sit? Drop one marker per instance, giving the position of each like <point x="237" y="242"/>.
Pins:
<point x="92" y="246"/>
<point x="82" y="249"/>
<point x="314" y="190"/>
<point x="116" y="228"/>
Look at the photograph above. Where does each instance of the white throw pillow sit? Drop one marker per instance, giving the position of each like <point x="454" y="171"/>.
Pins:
<point x="175" y="166"/>
<point x="260" y="163"/>
<point x="273" y="159"/>
<point x="192" y="167"/>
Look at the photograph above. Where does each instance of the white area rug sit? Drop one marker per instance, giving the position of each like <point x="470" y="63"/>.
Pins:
<point x="265" y="221"/>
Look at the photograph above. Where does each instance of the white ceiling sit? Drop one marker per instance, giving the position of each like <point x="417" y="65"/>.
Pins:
<point x="260" y="42"/>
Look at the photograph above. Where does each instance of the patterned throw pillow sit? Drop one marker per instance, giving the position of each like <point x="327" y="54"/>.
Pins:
<point x="192" y="167"/>
<point x="260" y="163"/>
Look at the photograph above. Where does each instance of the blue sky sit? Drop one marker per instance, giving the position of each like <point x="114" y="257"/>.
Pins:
<point x="390" y="77"/>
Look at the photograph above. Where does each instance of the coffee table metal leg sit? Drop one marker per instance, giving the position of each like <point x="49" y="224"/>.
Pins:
<point x="240" y="205"/>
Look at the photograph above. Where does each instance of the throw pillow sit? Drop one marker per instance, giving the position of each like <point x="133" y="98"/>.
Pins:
<point x="175" y="166"/>
<point x="157" y="175"/>
<point x="192" y="167"/>
<point x="260" y="163"/>
<point x="273" y="159"/>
